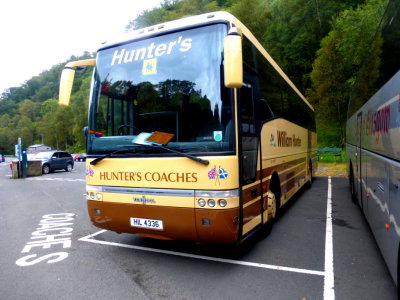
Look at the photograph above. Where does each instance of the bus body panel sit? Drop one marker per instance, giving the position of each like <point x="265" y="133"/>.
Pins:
<point x="154" y="188"/>
<point x="373" y="148"/>
<point x="381" y="205"/>
<point x="285" y="150"/>
<point x="164" y="172"/>
<point x="179" y="223"/>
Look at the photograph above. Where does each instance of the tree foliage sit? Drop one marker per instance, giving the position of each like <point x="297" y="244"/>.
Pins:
<point x="320" y="44"/>
<point x="337" y="64"/>
<point x="31" y="111"/>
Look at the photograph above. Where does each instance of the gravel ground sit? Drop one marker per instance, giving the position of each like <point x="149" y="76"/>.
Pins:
<point x="331" y="169"/>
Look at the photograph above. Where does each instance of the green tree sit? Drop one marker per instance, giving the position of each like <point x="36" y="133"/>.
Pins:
<point x="26" y="131"/>
<point x="7" y="140"/>
<point x="337" y="65"/>
<point x="29" y="109"/>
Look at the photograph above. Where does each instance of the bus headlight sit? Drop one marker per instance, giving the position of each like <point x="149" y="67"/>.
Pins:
<point x="98" y="196"/>
<point x="211" y="202"/>
<point x="222" y="202"/>
<point x="201" y="202"/>
<point x="91" y="195"/>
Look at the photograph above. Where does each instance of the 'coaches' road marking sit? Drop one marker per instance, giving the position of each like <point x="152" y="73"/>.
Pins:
<point x="90" y="239"/>
<point x="53" y="231"/>
<point x="54" y="179"/>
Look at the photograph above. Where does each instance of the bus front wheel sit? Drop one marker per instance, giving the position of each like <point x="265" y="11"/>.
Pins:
<point x="271" y="206"/>
<point x="271" y="212"/>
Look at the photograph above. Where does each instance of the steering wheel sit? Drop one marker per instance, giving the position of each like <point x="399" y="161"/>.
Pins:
<point x="121" y="127"/>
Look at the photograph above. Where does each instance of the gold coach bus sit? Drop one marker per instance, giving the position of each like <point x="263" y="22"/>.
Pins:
<point x="194" y="132"/>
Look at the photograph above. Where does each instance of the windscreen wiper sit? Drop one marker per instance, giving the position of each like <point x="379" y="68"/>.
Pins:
<point x="97" y="160"/>
<point x="195" y="158"/>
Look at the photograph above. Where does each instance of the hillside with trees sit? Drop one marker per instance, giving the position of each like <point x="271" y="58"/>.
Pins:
<point x="319" y="44"/>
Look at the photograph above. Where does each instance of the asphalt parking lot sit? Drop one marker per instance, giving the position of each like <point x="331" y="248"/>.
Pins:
<point x="320" y="248"/>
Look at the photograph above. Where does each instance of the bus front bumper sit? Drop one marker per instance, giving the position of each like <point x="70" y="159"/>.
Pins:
<point x="200" y="225"/>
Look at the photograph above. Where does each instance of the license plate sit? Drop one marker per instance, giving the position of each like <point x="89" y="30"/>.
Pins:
<point x="147" y="223"/>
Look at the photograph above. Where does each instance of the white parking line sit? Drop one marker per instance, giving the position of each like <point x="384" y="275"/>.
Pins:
<point x="329" y="285"/>
<point x="90" y="239"/>
<point x="54" y="179"/>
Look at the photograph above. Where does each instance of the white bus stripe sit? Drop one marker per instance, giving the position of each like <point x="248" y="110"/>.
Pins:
<point x="329" y="286"/>
<point x="90" y="239"/>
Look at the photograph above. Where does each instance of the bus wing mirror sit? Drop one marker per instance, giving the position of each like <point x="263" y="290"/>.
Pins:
<point x="233" y="60"/>
<point x="67" y="79"/>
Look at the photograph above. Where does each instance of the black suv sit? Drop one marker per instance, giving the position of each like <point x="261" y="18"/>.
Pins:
<point x="55" y="160"/>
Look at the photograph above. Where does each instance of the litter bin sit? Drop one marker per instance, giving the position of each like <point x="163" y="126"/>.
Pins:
<point x="15" y="169"/>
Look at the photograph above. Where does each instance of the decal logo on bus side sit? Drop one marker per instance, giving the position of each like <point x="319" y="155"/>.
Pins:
<point x="378" y="123"/>
<point x="144" y="200"/>
<point x="286" y="141"/>
<point x="217" y="175"/>
<point x="89" y="172"/>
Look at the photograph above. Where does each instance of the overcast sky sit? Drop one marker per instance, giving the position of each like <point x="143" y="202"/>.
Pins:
<point x="37" y="34"/>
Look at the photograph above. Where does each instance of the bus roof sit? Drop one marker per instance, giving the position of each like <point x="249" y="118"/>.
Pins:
<point x="202" y="19"/>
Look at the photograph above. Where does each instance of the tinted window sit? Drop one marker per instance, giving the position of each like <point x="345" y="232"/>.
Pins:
<point x="170" y="83"/>
<point x="277" y="98"/>
<point x="282" y="101"/>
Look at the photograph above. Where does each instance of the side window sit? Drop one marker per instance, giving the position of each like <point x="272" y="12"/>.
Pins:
<point x="247" y="110"/>
<point x="248" y="133"/>
<point x="281" y="98"/>
<point x="64" y="154"/>
<point x="265" y="111"/>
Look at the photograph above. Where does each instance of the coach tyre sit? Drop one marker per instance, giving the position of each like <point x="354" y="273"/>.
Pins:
<point x="271" y="210"/>
<point x="352" y="186"/>
<point x="309" y="181"/>
<point x="271" y="206"/>
<point x="46" y="169"/>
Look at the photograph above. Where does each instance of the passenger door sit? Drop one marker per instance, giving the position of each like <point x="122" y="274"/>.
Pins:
<point x="249" y="156"/>
<point x="55" y="161"/>
<point x="64" y="157"/>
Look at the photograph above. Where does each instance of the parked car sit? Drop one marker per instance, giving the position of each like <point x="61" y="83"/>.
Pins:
<point x="2" y="158"/>
<point x="55" y="160"/>
<point x="80" y="157"/>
